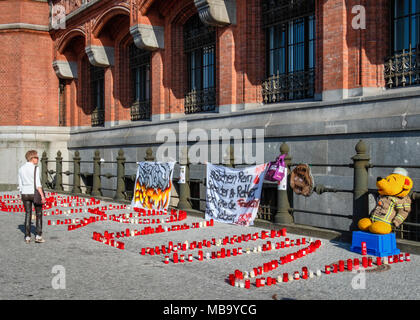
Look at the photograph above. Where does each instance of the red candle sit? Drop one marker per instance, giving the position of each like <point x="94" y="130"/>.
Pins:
<point x="166" y="259"/>
<point x="349" y="264"/>
<point x="356" y="263"/>
<point x="200" y="255"/>
<point x="232" y="279"/>
<point x="407" y="257"/>
<point x="370" y="262"/>
<point x="364" y="262"/>
<point x="378" y="261"/>
<point x="247" y="284"/>
<point x="335" y="268"/>
<point x="327" y="269"/>
<point x="175" y="257"/>
<point x="364" y="249"/>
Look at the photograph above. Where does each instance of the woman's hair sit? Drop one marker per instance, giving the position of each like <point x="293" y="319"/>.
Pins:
<point x="31" y="154"/>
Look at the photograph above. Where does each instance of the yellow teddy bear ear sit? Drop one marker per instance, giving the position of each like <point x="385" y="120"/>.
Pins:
<point x="408" y="183"/>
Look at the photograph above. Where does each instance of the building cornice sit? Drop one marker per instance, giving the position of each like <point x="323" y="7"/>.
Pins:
<point x="25" y="26"/>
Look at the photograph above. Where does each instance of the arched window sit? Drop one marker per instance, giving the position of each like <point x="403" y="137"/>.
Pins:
<point x="97" y="77"/>
<point x="290" y="50"/>
<point x="200" y="52"/>
<point x="140" y="83"/>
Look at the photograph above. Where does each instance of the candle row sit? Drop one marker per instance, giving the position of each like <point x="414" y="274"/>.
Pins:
<point x="226" y="240"/>
<point x="223" y="253"/>
<point x="274" y="264"/>
<point x="174" y="217"/>
<point x="50" y="202"/>
<point x="81" y="222"/>
<point x="84" y="223"/>
<point x="145" y="231"/>
<point x="110" y="242"/>
<point x="237" y="279"/>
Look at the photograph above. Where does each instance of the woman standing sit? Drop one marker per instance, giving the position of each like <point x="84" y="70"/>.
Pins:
<point x="27" y="190"/>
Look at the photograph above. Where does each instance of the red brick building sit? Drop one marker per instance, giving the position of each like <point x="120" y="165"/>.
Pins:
<point x="347" y="61"/>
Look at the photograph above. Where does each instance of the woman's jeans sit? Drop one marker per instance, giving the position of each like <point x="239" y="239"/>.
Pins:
<point x="28" y="200"/>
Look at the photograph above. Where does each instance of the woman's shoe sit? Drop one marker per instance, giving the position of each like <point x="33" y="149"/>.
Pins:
<point x="39" y="240"/>
<point x="27" y="239"/>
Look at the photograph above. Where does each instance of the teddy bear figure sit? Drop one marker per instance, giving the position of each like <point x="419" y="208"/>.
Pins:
<point x="393" y="205"/>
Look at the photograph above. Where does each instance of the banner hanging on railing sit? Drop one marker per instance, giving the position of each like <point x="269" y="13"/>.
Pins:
<point x="233" y="195"/>
<point x="152" y="187"/>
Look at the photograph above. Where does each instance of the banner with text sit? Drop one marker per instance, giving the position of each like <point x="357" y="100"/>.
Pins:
<point x="233" y="195"/>
<point x="152" y="188"/>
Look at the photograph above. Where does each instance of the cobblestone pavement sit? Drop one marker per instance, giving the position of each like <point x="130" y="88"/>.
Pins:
<point x="94" y="270"/>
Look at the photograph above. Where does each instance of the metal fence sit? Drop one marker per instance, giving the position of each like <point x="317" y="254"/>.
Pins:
<point x="276" y="205"/>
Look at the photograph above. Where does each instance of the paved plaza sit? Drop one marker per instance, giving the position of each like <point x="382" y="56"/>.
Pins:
<point x="93" y="270"/>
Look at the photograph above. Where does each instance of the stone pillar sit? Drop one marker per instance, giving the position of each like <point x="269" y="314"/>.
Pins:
<point x="44" y="172"/>
<point x="59" y="172"/>
<point x="360" y="187"/>
<point x="283" y="215"/>
<point x="184" y="188"/>
<point x="96" y="184"/>
<point x="76" y="173"/>
<point x="119" y="195"/>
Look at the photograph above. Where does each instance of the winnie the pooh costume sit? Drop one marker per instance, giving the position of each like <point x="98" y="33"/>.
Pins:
<point x="393" y="205"/>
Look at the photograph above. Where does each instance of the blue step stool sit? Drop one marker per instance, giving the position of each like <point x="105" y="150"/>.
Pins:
<point x="380" y="245"/>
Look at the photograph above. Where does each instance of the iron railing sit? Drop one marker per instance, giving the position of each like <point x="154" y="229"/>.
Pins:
<point x="140" y="110"/>
<point x="200" y="101"/>
<point x="98" y="117"/>
<point x="403" y="68"/>
<point x="292" y="86"/>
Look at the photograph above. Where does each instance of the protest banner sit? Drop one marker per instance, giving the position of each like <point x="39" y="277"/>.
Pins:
<point x="152" y="187"/>
<point x="233" y="195"/>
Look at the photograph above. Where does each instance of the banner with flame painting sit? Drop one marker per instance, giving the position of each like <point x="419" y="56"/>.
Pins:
<point x="152" y="188"/>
